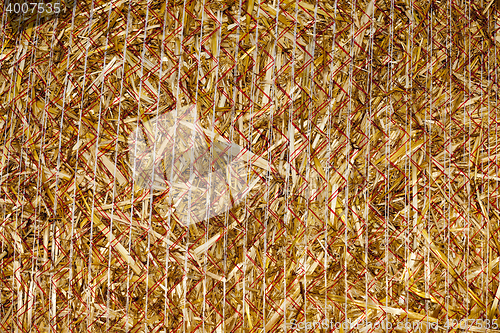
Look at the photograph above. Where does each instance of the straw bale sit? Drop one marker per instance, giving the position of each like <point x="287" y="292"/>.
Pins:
<point x="366" y="136"/>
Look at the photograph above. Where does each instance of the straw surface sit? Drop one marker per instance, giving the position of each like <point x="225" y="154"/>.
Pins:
<point x="366" y="189"/>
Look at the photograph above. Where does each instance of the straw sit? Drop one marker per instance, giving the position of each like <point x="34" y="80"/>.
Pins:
<point x="362" y="137"/>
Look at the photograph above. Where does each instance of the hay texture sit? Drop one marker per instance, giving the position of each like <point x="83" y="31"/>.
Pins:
<point x="347" y="170"/>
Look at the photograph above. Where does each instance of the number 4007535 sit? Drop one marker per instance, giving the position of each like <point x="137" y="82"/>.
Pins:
<point x="33" y="8"/>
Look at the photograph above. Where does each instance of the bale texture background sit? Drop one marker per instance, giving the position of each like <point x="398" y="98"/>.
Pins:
<point x="371" y="132"/>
